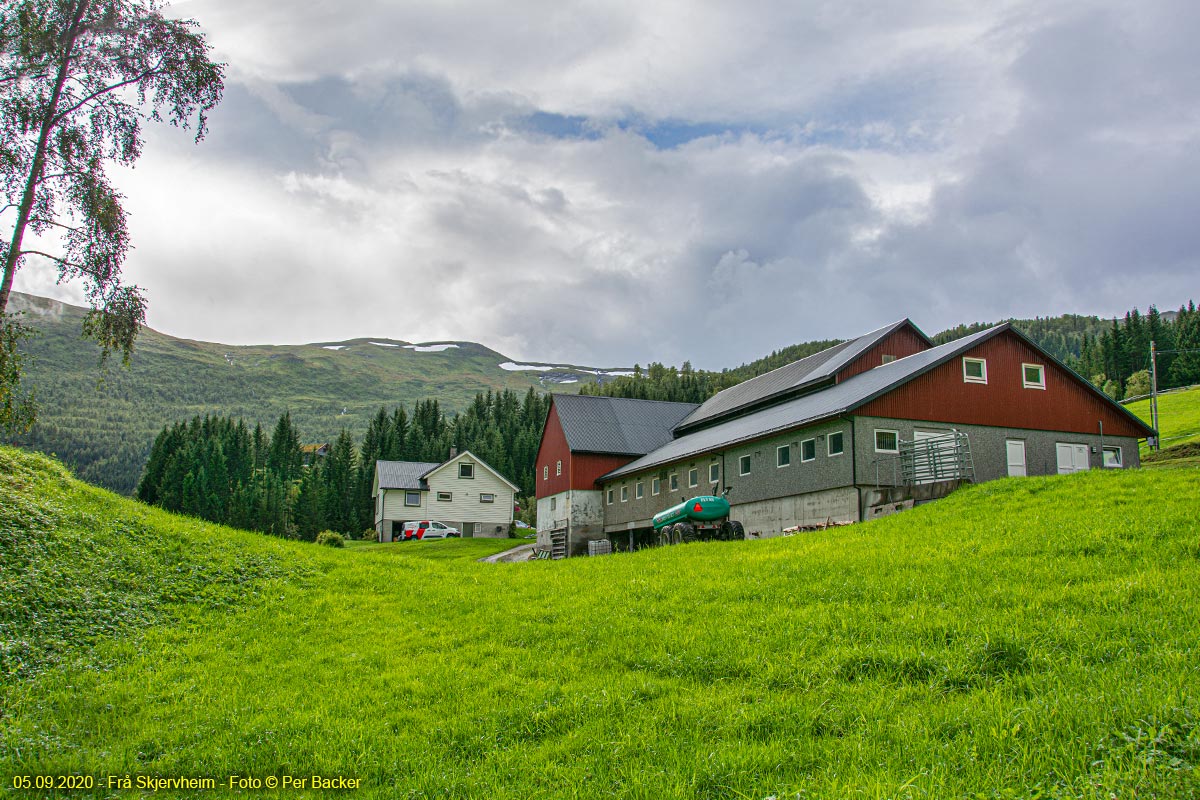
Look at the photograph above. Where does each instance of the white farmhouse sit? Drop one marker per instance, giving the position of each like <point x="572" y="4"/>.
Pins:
<point x="463" y="492"/>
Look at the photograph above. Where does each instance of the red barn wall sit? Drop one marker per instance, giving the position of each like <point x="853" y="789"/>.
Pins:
<point x="901" y="343"/>
<point x="941" y="395"/>
<point x="579" y="470"/>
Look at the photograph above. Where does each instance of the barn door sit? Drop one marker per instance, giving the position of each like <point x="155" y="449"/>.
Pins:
<point x="1016" y="458"/>
<point x="1072" y="458"/>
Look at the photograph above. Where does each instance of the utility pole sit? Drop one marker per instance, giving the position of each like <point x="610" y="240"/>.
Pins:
<point x="1154" y="393"/>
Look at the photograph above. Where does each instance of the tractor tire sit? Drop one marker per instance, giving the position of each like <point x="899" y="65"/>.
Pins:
<point x="725" y="532"/>
<point x="664" y="536"/>
<point x="738" y="531"/>
<point x="687" y="532"/>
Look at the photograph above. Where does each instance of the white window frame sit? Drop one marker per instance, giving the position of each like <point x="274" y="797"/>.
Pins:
<point x="893" y="433"/>
<point x="982" y="362"/>
<point x="655" y="486"/>
<point x="408" y="495"/>
<point x="714" y="467"/>
<point x="470" y="467"/>
<point x="1111" y="448"/>
<point x="477" y="529"/>
<point x="779" y="451"/>
<point x="693" y="478"/>
<point x="610" y="496"/>
<point x="625" y="493"/>
<point x="558" y="468"/>
<point x="445" y="497"/>
<point x="744" y="461"/>
<point x="487" y="497"/>
<point x="639" y="490"/>
<point x="804" y="460"/>
<point x="674" y="482"/>
<point x="546" y="472"/>
<point x="1028" y="384"/>
<point x="841" y="437"/>
<point x="553" y="503"/>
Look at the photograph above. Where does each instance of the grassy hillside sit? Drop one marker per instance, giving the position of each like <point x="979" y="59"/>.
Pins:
<point x="104" y="432"/>
<point x="1178" y="416"/>
<point x="1024" y="638"/>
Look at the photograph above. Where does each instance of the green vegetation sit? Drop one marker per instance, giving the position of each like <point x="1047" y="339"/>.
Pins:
<point x="104" y="431"/>
<point x="1023" y="638"/>
<point x="1179" y="423"/>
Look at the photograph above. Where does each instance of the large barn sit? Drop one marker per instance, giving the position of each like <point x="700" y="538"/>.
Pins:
<point x="867" y="427"/>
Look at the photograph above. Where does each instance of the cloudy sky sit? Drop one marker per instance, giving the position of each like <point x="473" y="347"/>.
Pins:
<point x="616" y="182"/>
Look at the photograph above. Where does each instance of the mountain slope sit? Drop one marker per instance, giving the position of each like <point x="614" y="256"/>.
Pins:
<point x="1029" y="637"/>
<point x="105" y="432"/>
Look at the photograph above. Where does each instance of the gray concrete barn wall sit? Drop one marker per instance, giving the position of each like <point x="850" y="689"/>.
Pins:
<point x="751" y="495"/>
<point x="988" y="449"/>
<point x="585" y="512"/>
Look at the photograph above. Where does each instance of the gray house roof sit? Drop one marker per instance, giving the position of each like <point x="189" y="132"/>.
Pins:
<point x="808" y="372"/>
<point x="830" y="402"/>
<point x="404" y="474"/>
<point x="617" y="425"/>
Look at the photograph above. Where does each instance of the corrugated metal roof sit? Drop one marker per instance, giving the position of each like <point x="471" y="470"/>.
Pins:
<point x="403" y="474"/>
<point x="807" y="371"/>
<point x="617" y="425"/>
<point x="837" y="399"/>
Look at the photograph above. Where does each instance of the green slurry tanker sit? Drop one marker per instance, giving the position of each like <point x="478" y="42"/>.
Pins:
<point x="704" y="518"/>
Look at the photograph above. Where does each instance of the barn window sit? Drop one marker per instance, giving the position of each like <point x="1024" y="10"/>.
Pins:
<point x="744" y="465"/>
<point x="888" y="358"/>
<point x="675" y="481"/>
<point x="783" y="456"/>
<point x="1112" y="457"/>
<point x="546" y="473"/>
<point x="1033" y="376"/>
<point x="624" y="494"/>
<point x="714" y="473"/>
<point x="693" y="478"/>
<point x="808" y="450"/>
<point x="887" y="441"/>
<point x="484" y="497"/>
<point x="836" y="444"/>
<point x="655" y="485"/>
<point x="610" y="497"/>
<point x="639" y="490"/>
<point x="558" y="469"/>
<point x="444" y="497"/>
<point x="974" y="370"/>
<point x="412" y="498"/>
<point x="553" y="503"/>
<point x="466" y="470"/>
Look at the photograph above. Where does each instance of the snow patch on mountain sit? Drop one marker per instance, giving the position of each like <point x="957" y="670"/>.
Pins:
<point x="429" y="348"/>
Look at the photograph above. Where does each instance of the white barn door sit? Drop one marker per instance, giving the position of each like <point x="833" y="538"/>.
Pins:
<point x="1016" y="458"/>
<point x="1072" y="458"/>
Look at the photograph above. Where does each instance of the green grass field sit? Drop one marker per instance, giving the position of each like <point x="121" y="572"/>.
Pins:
<point x="1178" y="415"/>
<point x="1023" y="638"/>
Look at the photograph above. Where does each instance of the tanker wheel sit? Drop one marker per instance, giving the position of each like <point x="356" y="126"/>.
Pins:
<point x="725" y="532"/>
<point x="738" y="531"/>
<point x="687" y="533"/>
<point x="664" y="536"/>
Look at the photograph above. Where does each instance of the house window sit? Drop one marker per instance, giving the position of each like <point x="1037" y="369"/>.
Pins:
<point x="974" y="370"/>
<point x="655" y="485"/>
<point x="639" y="490"/>
<point x="808" y="450"/>
<point x="888" y="358"/>
<point x="558" y="469"/>
<point x="836" y="445"/>
<point x="476" y="528"/>
<point x="675" y="482"/>
<point x="693" y="478"/>
<point x="444" y="497"/>
<point x="466" y="470"/>
<point x="485" y="497"/>
<point x="624" y="494"/>
<point x="610" y="497"/>
<point x="714" y="473"/>
<point x="783" y="456"/>
<point x="553" y="503"/>
<point x="744" y="465"/>
<point x="546" y="473"/>
<point x="887" y="441"/>
<point x="1033" y="376"/>
<point x="412" y="498"/>
<point x="1112" y="457"/>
